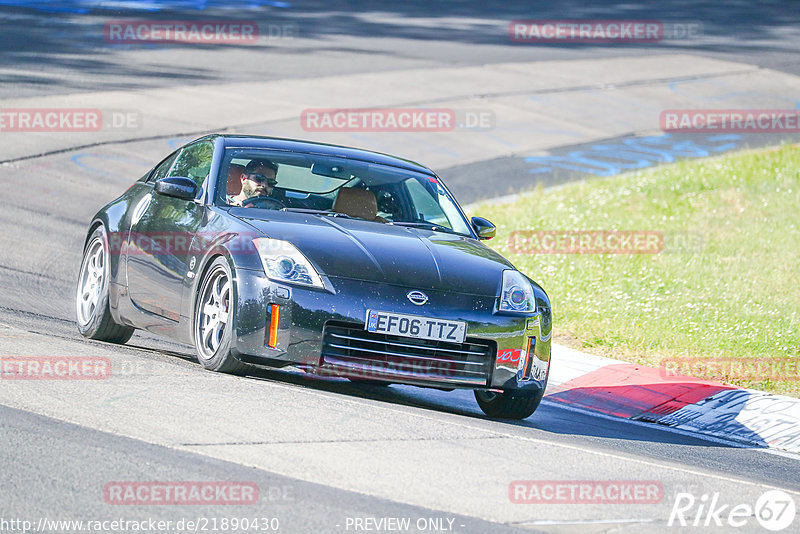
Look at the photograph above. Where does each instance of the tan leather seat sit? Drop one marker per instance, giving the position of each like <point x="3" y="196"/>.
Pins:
<point x="235" y="179"/>
<point x="357" y="203"/>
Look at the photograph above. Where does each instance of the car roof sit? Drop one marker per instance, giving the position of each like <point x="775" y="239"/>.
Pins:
<point x="312" y="147"/>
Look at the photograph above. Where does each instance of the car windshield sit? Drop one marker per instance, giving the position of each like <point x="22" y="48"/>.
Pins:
<point x="337" y="187"/>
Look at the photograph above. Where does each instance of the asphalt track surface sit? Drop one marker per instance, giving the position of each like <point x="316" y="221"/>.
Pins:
<point x="61" y="51"/>
<point x="321" y="452"/>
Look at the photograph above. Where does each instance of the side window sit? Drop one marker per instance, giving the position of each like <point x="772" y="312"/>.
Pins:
<point x="426" y="206"/>
<point x="162" y="168"/>
<point x="194" y="162"/>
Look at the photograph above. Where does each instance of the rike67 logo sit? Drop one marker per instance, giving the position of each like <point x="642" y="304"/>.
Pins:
<point x="774" y="510"/>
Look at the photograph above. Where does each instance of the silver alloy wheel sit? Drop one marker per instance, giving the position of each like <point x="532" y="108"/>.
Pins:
<point x="213" y="313"/>
<point x="92" y="276"/>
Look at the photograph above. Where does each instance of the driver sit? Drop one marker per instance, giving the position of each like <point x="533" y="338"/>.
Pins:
<point x="258" y="179"/>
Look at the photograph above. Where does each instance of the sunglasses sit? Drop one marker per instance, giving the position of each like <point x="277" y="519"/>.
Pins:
<point x="262" y="178"/>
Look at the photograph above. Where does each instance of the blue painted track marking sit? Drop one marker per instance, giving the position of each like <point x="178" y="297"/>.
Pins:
<point x="604" y="159"/>
<point x="80" y="160"/>
<point x="761" y="95"/>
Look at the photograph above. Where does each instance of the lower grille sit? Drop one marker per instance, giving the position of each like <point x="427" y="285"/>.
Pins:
<point x="349" y="350"/>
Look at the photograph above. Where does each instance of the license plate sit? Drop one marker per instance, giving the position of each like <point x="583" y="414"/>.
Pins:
<point x="399" y="324"/>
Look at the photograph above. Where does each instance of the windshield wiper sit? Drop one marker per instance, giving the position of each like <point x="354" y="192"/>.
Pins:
<point x="424" y="224"/>
<point x="312" y="211"/>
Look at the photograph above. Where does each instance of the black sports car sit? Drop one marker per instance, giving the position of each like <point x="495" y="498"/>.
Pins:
<point x="333" y="260"/>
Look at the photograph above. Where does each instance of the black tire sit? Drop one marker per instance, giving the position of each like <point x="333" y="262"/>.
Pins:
<point x="91" y="300"/>
<point x="509" y="404"/>
<point x="212" y="330"/>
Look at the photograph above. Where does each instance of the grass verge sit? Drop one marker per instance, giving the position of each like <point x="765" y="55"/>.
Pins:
<point x="721" y="296"/>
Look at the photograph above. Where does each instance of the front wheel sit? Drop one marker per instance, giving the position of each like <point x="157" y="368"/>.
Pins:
<point x="509" y="404"/>
<point x="213" y="320"/>
<point x="91" y="301"/>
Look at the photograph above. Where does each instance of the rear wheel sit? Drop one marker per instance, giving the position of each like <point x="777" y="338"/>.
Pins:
<point x="213" y="321"/>
<point x="91" y="300"/>
<point x="509" y="404"/>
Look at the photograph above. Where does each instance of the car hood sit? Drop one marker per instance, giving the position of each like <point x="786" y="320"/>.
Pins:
<point x="375" y="252"/>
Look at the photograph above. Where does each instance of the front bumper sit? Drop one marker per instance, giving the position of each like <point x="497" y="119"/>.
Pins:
<point x="517" y="346"/>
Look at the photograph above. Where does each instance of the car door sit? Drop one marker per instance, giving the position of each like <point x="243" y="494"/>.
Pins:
<point x="161" y="234"/>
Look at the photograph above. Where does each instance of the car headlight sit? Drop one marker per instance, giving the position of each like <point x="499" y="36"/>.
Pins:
<point x="517" y="294"/>
<point x="284" y="263"/>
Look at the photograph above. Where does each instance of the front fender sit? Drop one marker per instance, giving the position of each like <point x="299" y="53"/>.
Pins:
<point x="220" y="236"/>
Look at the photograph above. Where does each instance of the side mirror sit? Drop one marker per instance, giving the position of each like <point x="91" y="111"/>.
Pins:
<point x="177" y="187"/>
<point x="485" y="228"/>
